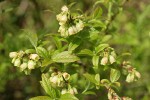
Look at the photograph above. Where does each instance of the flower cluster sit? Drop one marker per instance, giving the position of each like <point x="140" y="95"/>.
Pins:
<point x="69" y="25"/>
<point x="72" y="90"/>
<point x="113" y="96"/>
<point x="24" y="61"/>
<point x="133" y="75"/>
<point x="108" y="58"/>
<point x="59" y="78"/>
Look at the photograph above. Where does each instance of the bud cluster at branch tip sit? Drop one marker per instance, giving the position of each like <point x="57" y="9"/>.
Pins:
<point x="24" y="61"/>
<point x="59" y="78"/>
<point x="69" y="25"/>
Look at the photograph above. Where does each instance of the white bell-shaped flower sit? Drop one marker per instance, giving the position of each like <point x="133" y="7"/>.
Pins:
<point x="66" y="76"/>
<point x="64" y="8"/>
<point x="80" y="26"/>
<point x="54" y="79"/>
<point x="17" y="62"/>
<point x="34" y="57"/>
<point x="104" y="60"/>
<point x="23" y="66"/>
<point x="112" y="59"/>
<point x="31" y="64"/>
<point x="13" y="54"/>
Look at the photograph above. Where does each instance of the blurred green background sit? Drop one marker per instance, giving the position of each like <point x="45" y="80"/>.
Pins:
<point x="130" y="30"/>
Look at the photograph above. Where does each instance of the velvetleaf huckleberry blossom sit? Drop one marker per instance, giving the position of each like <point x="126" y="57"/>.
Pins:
<point x="69" y="24"/>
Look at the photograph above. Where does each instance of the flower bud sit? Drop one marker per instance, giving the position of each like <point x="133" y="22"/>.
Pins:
<point x="13" y="54"/>
<point x="31" y="64"/>
<point x="109" y="96"/>
<point x="60" y="83"/>
<point x="66" y="76"/>
<point x="112" y="59"/>
<point x="53" y="74"/>
<point x="75" y="29"/>
<point x="126" y="98"/>
<point x="61" y="29"/>
<point x="63" y="18"/>
<point x="21" y="53"/>
<point x="23" y="66"/>
<point x="104" y="60"/>
<point x="64" y="91"/>
<point x="71" y="31"/>
<point x="54" y="79"/>
<point x="64" y="8"/>
<point x="13" y="60"/>
<point x="17" y="62"/>
<point x="73" y="91"/>
<point x="34" y="57"/>
<point x="130" y="78"/>
<point x="79" y="26"/>
<point x="137" y="74"/>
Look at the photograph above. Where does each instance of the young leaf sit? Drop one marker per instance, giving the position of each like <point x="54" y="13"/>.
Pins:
<point x="97" y="78"/>
<point x="68" y="96"/>
<point x="42" y="52"/>
<point x="116" y="85"/>
<point x="95" y="60"/>
<point x="97" y="13"/>
<point x="46" y="62"/>
<point x="28" y="51"/>
<point x="94" y="34"/>
<point x="74" y="44"/>
<point x="89" y="92"/>
<point x="105" y="81"/>
<point x="57" y="42"/>
<point x="114" y="75"/>
<point x="32" y="37"/>
<point x="97" y="2"/>
<point x="106" y="38"/>
<point x="64" y="57"/>
<point x="90" y="77"/>
<point x="53" y="93"/>
<point x="101" y="47"/>
<point x="41" y="98"/>
<point x="86" y="52"/>
<point x="96" y="23"/>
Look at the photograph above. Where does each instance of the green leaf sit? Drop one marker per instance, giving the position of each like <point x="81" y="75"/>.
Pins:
<point x="105" y="82"/>
<point x="89" y="92"/>
<point x="68" y="96"/>
<point x="46" y="62"/>
<point x="94" y="34"/>
<point x="95" y="60"/>
<point x="97" y="13"/>
<point x="97" y="78"/>
<point x="42" y="52"/>
<point x="86" y="52"/>
<point x="116" y="85"/>
<point x="72" y="4"/>
<point x="64" y="57"/>
<point x="90" y="77"/>
<point x="74" y="44"/>
<point x="57" y="42"/>
<point x="97" y="2"/>
<point x="114" y="75"/>
<point x="53" y="93"/>
<point x="101" y="47"/>
<point x="106" y="38"/>
<point x="41" y="98"/>
<point x="28" y="51"/>
<point x="32" y="37"/>
<point x="126" y="54"/>
<point x="96" y="23"/>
